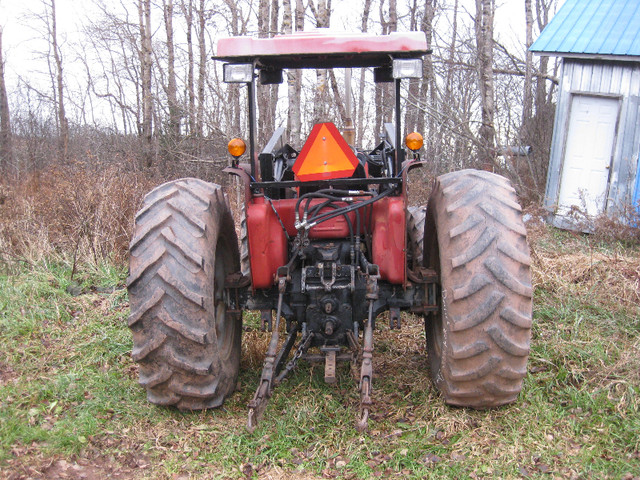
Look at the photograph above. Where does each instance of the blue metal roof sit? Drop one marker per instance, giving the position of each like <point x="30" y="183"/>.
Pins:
<point x="592" y="27"/>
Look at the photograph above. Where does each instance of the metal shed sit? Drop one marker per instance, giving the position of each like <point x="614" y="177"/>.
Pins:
<point x="593" y="167"/>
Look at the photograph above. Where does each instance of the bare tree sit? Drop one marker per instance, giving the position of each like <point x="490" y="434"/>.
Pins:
<point x="485" y="10"/>
<point x="543" y="8"/>
<point x="202" y="67"/>
<point x="57" y="78"/>
<point x="187" y="11"/>
<point x="113" y="73"/>
<point x="237" y="25"/>
<point x="366" y="11"/>
<point x="322" y="15"/>
<point x="391" y="25"/>
<point x="6" y="150"/>
<point x="267" y="98"/>
<point x="537" y="123"/>
<point x="145" y="53"/>
<point x="527" y="98"/>
<point x="412" y="111"/>
<point x="171" y="88"/>
<point x="294" y="77"/>
<point x="379" y="87"/>
<point x="428" y="81"/>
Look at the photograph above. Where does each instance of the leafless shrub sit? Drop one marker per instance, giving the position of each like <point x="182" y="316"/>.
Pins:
<point x="620" y="226"/>
<point x="72" y="209"/>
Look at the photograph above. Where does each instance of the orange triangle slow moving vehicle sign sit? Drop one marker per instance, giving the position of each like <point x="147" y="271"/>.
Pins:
<point x="325" y="155"/>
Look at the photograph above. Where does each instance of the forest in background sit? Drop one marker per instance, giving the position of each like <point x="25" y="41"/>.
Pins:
<point x="140" y="89"/>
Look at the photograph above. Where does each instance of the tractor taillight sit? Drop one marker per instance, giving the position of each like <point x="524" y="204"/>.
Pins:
<point x="325" y="155"/>
<point x="413" y="141"/>
<point x="236" y="147"/>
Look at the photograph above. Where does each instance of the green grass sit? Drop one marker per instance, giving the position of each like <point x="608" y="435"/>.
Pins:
<point x="69" y="395"/>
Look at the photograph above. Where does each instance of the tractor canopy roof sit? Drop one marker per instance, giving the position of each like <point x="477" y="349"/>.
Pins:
<point x="322" y="48"/>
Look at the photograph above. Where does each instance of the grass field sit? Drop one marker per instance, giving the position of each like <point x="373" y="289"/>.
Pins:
<point x="70" y="406"/>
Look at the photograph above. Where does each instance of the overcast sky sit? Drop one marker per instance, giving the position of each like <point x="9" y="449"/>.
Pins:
<point x="21" y="37"/>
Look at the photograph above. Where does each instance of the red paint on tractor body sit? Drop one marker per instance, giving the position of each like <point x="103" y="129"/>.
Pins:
<point x="268" y="242"/>
<point x="389" y="238"/>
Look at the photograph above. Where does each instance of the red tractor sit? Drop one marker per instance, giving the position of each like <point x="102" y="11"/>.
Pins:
<point x="328" y="242"/>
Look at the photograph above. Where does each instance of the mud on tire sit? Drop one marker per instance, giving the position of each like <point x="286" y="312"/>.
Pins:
<point x="479" y="342"/>
<point x="186" y="344"/>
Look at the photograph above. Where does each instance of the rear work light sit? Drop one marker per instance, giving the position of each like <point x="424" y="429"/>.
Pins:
<point x="325" y="155"/>
<point x="237" y="72"/>
<point x="407" y="68"/>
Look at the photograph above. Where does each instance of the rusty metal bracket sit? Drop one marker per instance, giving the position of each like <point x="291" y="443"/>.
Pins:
<point x="426" y="300"/>
<point x="300" y="351"/>
<point x="366" y="373"/>
<point x="366" y="369"/>
<point x="232" y="285"/>
<point x="264" y="390"/>
<point x="330" y="363"/>
<point x="265" y="320"/>
<point x="394" y="318"/>
<point x="245" y="177"/>
<point x="423" y="275"/>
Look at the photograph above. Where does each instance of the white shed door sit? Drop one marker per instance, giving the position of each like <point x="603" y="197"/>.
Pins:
<point x="589" y="147"/>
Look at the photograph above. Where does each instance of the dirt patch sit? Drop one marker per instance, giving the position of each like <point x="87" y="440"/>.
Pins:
<point x="7" y="373"/>
<point x="72" y="469"/>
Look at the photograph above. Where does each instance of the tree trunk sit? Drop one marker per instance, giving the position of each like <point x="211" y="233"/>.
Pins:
<point x="6" y="150"/>
<point x="263" y="93"/>
<point x="388" y="96"/>
<point x="63" y="140"/>
<point x="273" y="89"/>
<point x="384" y="92"/>
<point x="293" y="76"/>
<point x="484" y="42"/>
<point x="427" y="83"/>
<point x="366" y="11"/>
<point x="233" y="89"/>
<point x="322" y="15"/>
<point x="378" y="95"/>
<point x="337" y="98"/>
<point x="172" y="95"/>
<point x="294" y="80"/>
<point x="413" y="98"/>
<point x="202" y="69"/>
<point x="527" y="98"/>
<point x="187" y="11"/>
<point x="542" y="14"/>
<point x="144" y="12"/>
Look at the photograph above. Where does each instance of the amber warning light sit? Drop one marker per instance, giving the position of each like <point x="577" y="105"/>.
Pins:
<point x="413" y="141"/>
<point x="236" y="147"/>
<point x="325" y="155"/>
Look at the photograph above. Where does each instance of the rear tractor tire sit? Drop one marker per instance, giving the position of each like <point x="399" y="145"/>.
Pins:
<point x="478" y="342"/>
<point x="186" y="344"/>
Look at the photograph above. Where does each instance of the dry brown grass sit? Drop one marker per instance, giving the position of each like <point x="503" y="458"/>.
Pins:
<point x="581" y="264"/>
<point x="77" y="210"/>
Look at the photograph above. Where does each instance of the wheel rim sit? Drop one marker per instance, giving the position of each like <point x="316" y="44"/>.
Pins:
<point x="223" y="324"/>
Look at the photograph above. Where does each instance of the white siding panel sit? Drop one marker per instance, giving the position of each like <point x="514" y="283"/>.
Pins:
<point x="612" y="80"/>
